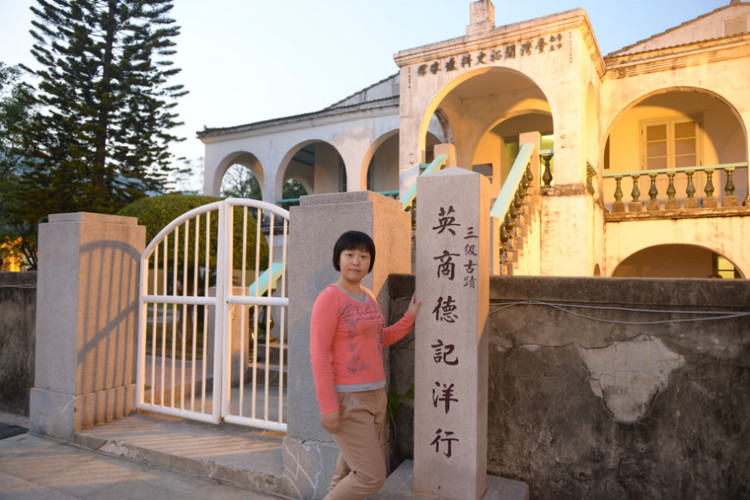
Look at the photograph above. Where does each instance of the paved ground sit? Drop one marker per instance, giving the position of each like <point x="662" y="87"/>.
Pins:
<point x="32" y="467"/>
<point x="157" y="457"/>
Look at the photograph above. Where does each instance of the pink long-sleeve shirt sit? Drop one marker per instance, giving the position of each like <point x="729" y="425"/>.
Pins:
<point x="347" y="339"/>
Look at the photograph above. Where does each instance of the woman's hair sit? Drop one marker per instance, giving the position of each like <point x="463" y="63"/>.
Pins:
<point x="353" y="240"/>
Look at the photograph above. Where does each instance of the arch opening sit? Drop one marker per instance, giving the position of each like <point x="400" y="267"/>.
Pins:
<point x="382" y="173"/>
<point x="484" y="112"/>
<point x="676" y="128"/>
<point x="312" y="167"/>
<point x="241" y="176"/>
<point x="676" y="261"/>
<point x="239" y="182"/>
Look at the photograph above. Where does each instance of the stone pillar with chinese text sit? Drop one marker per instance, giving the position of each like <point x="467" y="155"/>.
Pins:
<point x="452" y="281"/>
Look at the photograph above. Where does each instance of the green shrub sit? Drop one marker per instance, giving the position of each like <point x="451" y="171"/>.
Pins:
<point x="156" y="212"/>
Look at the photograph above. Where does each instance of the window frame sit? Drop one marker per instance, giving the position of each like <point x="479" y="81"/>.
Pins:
<point x="671" y="122"/>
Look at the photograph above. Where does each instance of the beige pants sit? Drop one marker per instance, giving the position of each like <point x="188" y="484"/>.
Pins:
<point x="360" y="468"/>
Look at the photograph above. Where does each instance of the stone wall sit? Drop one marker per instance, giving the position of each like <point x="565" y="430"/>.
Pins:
<point x="17" y="334"/>
<point x="609" y="388"/>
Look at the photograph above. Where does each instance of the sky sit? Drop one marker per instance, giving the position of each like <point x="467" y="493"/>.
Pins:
<point x="245" y="61"/>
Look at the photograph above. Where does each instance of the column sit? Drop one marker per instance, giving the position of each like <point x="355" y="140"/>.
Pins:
<point x="452" y="281"/>
<point x="86" y="322"/>
<point x="309" y="451"/>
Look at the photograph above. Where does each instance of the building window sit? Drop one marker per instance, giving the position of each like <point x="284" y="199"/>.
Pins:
<point x="671" y="143"/>
<point x="723" y="268"/>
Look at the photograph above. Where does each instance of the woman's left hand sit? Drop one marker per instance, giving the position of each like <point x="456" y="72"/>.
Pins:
<point x="414" y="305"/>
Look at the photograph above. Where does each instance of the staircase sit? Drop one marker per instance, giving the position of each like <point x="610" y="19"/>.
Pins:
<point x="516" y="212"/>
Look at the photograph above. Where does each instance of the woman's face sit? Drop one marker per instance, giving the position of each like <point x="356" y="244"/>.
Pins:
<point x="354" y="264"/>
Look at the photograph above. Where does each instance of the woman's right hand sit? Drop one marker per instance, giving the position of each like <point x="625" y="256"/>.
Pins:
<point x="414" y="305"/>
<point x="330" y="421"/>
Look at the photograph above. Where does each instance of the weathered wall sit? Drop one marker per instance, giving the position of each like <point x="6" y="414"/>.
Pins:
<point x="725" y="231"/>
<point x="17" y="334"/>
<point x="623" y="398"/>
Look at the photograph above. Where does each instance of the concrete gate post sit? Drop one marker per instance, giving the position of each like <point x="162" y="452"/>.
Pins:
<point x="309" y="452"/>
<point x="86" y="322"/>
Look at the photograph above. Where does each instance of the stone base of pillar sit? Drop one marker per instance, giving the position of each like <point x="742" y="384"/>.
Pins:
<point x="618" y="207"/>
<point x="59" y="415"/>
<point x="653" y="206"/>
<point x="635" y="206"/>
<point x="730" y="201"/>
<point x="672" y="205"/>
<point x="308" y="467"/>
<point x="398" y="486"/>
<point x="710" y="202"/>
<point x="690" y="203"/>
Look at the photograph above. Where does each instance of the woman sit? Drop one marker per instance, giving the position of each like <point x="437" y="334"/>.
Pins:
<point x="347" y="338"/>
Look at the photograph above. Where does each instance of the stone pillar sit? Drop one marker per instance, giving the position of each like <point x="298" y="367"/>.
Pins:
<point x="452" y="281"/>
<point x="86" y="321"/>
<point x="315" y="225"/>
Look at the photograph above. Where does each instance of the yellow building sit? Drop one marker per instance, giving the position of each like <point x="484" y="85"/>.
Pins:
<point x="644" y="151"/>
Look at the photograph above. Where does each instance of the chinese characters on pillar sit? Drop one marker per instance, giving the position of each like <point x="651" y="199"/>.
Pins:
<point x="470" y="252"/>
<point x="456" y="267"/>
<point x="510" y="51"/>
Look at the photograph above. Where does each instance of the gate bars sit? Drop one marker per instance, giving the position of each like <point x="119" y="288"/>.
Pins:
<point x="212" y="316"/>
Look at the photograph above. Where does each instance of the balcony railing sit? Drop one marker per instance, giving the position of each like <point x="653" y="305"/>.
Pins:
<point x="675" y="188"/>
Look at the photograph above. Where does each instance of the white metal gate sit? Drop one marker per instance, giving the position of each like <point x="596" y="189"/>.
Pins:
<point x="212" y="316"/>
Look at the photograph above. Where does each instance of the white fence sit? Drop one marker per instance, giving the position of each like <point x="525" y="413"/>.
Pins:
<point x="212" y="334"/>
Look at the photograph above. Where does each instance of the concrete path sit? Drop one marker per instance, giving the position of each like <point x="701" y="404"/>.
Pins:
<point x="158" y="457"/>
<point x="135" y="458"/>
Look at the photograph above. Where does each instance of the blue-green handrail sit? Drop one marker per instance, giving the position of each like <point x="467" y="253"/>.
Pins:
<point x="510" y="186"/>
<point x="408" y="197"/>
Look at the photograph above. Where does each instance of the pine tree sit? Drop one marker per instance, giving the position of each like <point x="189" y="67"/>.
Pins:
<point x="104" y="107"/>
<point x="14" y="111"/>
<point x="15" y="108"/>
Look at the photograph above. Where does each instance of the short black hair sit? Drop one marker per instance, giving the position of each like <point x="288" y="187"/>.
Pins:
<point x="353" y="240"/>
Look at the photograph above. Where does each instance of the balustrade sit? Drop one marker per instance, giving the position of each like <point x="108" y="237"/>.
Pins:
<point x="510" y="206"/>
<point x="591" y="174"/>
<point x="663" y="187"/>
<point x="546" y="156"/>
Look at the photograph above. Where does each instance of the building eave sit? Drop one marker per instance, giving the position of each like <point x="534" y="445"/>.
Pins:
<point x="670" y="30"/>
<point x="372" y="109"/>
<point x="670" y="58"/>
<point x="337" y="104"/>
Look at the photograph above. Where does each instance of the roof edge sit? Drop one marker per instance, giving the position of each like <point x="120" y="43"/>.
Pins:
<point x="669" y="30"/>
<point x="362" y="90"/>
<point x="326" y="112"/>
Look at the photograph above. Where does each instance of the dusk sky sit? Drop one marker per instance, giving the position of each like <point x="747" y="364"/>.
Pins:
<point x="249" y="60"/>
